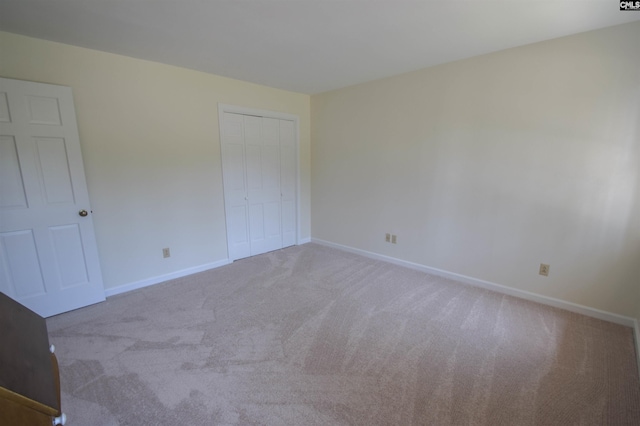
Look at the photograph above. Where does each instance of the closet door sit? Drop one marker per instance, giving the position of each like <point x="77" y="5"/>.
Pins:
<point x="260" y="183"/>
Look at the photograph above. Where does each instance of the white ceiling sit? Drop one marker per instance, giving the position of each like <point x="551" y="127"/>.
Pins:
<point x="307" y="46"/>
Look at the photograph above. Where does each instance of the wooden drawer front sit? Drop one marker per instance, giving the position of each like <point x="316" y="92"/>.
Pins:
<point x="13" y="413"/>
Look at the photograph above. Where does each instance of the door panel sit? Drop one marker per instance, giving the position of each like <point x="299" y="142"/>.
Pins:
<point x="4" y="109"/>
<point x="288" y="182"/>
<point x="23" y="266"/>
<point x="272" y="220"/>
<point x="288" y="223"/>
<point x="67" y="245"/>
<point x="43" y="110"/>
<point x="254" y="167"/>
<point x="256" y="225"/>
<point x="48" y="254"/>
<point x="235" y="168"/>
<point x="12" y="187"/>
<point x="271" y="169"/>
<point x="53" y="169"/>
<point x="235" y="188"/>
<point x="238" y="225"/>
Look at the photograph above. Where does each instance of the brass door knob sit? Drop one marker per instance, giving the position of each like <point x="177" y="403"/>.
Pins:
<point x="83" y="213"/>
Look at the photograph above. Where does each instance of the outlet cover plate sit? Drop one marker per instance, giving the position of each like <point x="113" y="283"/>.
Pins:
<point x="544" y="269"/>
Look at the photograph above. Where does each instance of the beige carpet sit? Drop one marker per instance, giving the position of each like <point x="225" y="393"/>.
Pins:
<point x="314" y="336"/>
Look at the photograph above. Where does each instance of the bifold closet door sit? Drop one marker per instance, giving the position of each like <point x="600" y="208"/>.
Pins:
<point x="258" y="158"/>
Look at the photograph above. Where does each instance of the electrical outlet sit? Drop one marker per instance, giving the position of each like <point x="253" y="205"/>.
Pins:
<point x="394" y="239"/>
<point x="387" y="237"/>
<point x="165" y="252"/>
<point x="544" y="270"/>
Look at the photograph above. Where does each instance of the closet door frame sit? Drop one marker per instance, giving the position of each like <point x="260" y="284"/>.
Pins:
<point x="226" y="108"/>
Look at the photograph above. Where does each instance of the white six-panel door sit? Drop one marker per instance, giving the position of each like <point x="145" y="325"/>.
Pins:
<point x="260" y="183"/>
<point x="48" y="253"/>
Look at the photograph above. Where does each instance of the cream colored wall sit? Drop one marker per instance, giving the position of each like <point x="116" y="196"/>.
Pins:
<point x="150" y="141"/>
<point x="489" y="166"/>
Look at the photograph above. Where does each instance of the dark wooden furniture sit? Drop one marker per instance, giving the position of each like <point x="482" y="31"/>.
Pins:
<point x="29" y="377"/>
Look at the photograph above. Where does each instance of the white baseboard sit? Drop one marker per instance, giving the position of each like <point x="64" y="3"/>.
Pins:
<point x="173" y="275"/>
<point x="522" y="294"/>
<point x="162" y="278"/>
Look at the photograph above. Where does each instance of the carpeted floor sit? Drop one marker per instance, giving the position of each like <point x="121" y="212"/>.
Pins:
<point x="310" y="335"/>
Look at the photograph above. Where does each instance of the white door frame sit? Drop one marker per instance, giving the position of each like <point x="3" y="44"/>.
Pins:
<point x="223" y="108"/>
